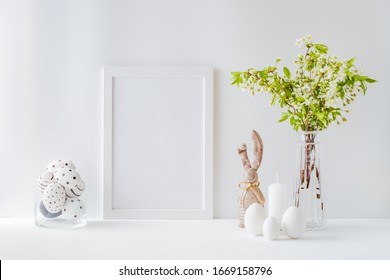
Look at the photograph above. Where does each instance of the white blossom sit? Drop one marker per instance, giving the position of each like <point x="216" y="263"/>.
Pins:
<point x="299" y="42"/>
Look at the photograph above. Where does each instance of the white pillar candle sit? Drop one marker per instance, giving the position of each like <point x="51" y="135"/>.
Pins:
<point x="277" y="200"/>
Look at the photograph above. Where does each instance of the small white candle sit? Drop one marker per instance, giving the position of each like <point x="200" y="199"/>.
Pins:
<point x="277" y="200"/>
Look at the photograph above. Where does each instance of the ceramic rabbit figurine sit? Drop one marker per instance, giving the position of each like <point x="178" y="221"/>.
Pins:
<point x="251" y="192"/>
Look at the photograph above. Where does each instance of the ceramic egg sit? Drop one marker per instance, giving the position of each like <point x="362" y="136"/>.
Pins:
<point x="52" y="166"/>
<point x="254" y="219"/>
<point x="46" y="176"/>
<point x="293" y="222"/>
<point x="74" y="209"/>
<point x="67" y="177"/>
<point x="271" y="228"/>
<point x="54" y="198"/>
<point x="44" y="180"/>
<point x="75" y="190"/>
<point x="46" y="213"/>
<point x="42" y="184"/>
<point x="41" y="187"/>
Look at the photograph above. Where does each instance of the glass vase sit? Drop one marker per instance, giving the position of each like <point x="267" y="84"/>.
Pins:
<point x="309" y="192"/>
<point x="57" y="205"/>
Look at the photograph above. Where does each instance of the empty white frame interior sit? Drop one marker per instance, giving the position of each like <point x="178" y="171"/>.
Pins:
<point x="158" y="142"/>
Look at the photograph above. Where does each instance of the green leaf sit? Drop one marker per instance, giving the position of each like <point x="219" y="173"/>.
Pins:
<point x="263" y="74"/>
<point x="363" y="87"/>
<point x="273" y="100"/>
<point x="284" y="117"/>
<point x="300" y="99"/>
<point x="351" y="61"/>
<point x="359" y="78"/>
<point x="363" y="79"/>
<point x="287" y="91"/>
<point x="235" y="81"/>
<point x="320" y="117"/>
<point x="335" y="114"/>
<point x="321" y="48"/>
<point x="304" y="110"/>
<point x="369" y="80"/>
<point x="286" y="72"/>
<point x="236" y="77"/>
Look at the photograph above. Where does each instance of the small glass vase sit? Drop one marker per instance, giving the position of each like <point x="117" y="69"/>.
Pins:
<point x="308" y="192"/>
<point x="56" y="207"/>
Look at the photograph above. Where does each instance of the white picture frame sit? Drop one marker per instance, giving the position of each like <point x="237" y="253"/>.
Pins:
<point x="158" y="143"/>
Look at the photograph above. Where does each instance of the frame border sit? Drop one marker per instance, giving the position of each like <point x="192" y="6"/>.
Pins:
<point x="109" y="73"/>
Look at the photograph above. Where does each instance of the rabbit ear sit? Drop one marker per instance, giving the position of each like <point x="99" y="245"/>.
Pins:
<point x="258" y="149"/>
<point x="244" y="157"/>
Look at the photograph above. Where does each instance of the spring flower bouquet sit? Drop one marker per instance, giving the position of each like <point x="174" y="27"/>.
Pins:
<point x="317" y="94"/>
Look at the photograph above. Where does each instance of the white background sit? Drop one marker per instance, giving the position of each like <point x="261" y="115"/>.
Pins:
<point x="170" y="152"/>
<point x="52" y="53"/>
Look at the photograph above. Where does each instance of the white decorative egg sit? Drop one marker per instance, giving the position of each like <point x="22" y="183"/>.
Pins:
<point x="254" y="219"/>
<point x="44" y="180"/>
<point x="52" y="166"/>
<point x="67" y="177"/>
<point x="293" y="222"/>
<point x="54" y="198"/>
<point x="41" y="187"/>
<point x="271" y="228"/>
<point x="46" y="213"/>
<point x="46" y="176"/>
<point x="74" y="209"/>
<point x="75" y="190"/>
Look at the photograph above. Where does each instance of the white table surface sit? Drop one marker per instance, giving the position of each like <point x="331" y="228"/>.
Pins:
<point x="191" y="239"/>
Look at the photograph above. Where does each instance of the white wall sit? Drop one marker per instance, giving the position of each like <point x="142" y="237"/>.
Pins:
<point x="52" y="52"/>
